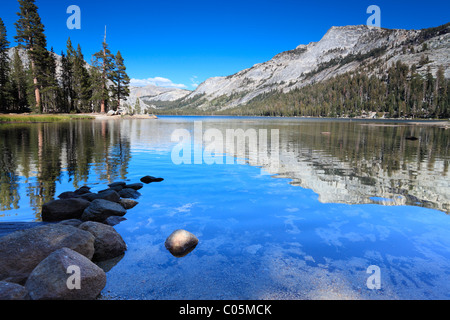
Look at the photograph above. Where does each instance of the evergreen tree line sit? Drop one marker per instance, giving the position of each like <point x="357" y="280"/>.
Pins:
<point x="400" y="92"/>
<point x="36" y="80"/>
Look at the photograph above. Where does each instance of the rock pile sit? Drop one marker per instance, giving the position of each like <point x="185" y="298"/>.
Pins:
<point x="38" y="263"/>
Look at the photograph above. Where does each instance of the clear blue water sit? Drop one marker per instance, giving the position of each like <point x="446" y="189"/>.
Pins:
<point x="308" y="231"/>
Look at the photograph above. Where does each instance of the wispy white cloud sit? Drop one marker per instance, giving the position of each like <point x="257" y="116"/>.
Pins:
<point x="194" y="82"/>
<point x="157" y="81"/>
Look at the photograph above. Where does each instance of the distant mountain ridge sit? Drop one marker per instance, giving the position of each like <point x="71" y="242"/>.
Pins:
<point x="341" y="50"/>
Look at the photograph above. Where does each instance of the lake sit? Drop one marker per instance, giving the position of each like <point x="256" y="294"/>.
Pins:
<point x="303" y="209"/>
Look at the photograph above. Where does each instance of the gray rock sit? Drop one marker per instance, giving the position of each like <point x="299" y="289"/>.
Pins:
<point x="68" y="195"/>
<point x="54" y="278"/>
<point x="99" y="210"/>
<point x="150" y="179"/>
<point x="22" y="251"/>
<point x="13" y="291"/>
<point x="181" y="242"/>
<point x="83" y="190"/>
<point x="115" y="184"/>
<point x="109" y="195"/>
<point x="64" y="209"/>
<point x="134" y="186"/>
<point x="128" y="203"/>
<point x="129" y="193"/>
<point x="108" y="242"/>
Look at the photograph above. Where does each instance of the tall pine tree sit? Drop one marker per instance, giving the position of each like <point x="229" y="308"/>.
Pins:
<point x="19" y="83"/>
<point x="104" y="62"/>
<point x="30" y="35"/>
<point x="81" y="82"/>
<point x="120" y="79"/>
<point x="4" y="69"/>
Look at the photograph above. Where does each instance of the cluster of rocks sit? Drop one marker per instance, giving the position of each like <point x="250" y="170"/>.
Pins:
<point x="37" y="263"/>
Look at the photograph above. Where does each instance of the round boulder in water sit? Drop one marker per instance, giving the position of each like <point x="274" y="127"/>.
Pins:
<point x="181" y="242"/>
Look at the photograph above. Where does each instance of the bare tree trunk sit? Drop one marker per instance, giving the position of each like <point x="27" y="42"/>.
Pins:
<point x="37" y="92"/>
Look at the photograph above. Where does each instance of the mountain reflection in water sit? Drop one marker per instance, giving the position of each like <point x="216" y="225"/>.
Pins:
<point x="353" y="162"/>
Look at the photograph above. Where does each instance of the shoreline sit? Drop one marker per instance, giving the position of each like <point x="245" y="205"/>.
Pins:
<point x="42" y="118"/>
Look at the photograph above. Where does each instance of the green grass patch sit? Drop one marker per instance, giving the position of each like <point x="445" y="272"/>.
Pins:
<point x="41" y="118"/>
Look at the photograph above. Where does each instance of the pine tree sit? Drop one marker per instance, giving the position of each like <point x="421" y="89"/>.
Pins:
<point x="50" y="93"/>
<point x="105" y="64"/>
<point x="66" y="83"/>
<point x="19" y="83"/>
<point x="4" y="68"/>
<point x="30" y="35"/>
<point x="137" y="106"/>
<point x="120" y="79"/>
<point x="68" y="76"/>
<point x="81" y="81"/>
<point x="95" y="89"/>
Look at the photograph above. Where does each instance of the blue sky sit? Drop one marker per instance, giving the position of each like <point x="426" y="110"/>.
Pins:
<point x="182" y="43"/>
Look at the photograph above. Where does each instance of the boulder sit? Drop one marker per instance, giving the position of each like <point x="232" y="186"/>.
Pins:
<point x="66" y="275"/>
<point x="181" y="242"/>
<point x="108" y="242"/>
<point x="64" y="209"/>
<point x="109" y="195"/>
<point x="129" y="193"/>
<point x="118" y="183"/>
<point x="101" y="209"/>
<point x="128" y="203"/>
<point x="13" y="291"/>
<point x="22" y="251"/>
<point x="111" y="113"/>
<point x="150" y="179"/>
<point x="83" y="190"/>
<point x="68" y="195"/>
<point x="134" y="186"/>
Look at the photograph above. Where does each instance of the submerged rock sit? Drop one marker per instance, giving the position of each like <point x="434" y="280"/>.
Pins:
<point x="180" y="243"/>
<point x="50" y="280"/>
<point x="22" y="251"/>
<point x="128" y="203"/>
<point x="150" y="179"/>
<point x="129" y="193"/>
<point x="64" y="209"/>
<point x="113" y="220"/>
<point x="108" y="242"/>
<point x="100" y="209"/>
<point x="135" y="186"/>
